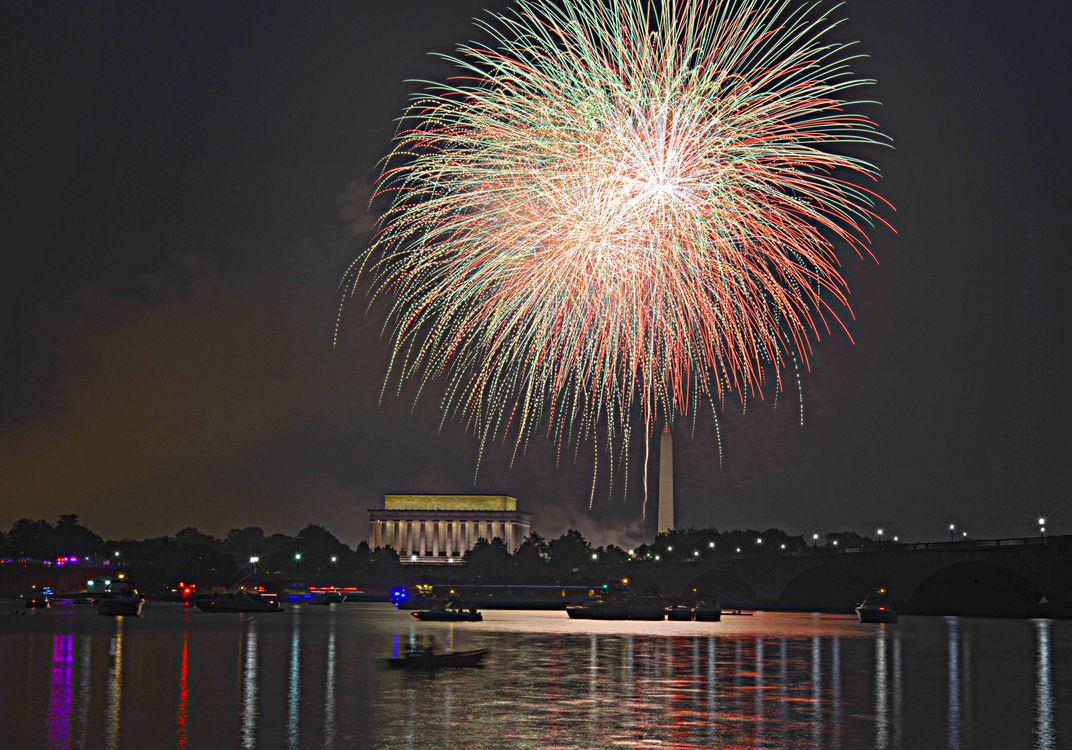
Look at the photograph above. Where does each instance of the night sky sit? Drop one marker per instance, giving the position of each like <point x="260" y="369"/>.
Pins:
<point x="183" y="187"/>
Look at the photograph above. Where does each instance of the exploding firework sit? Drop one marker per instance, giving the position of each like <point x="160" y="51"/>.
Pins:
<point x="620" y="210"/>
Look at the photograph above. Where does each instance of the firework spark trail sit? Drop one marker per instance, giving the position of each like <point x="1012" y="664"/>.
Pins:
<point x="621" y="207"/>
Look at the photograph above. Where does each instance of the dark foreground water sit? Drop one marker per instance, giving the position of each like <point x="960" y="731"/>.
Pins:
<point x="314" y="677"/>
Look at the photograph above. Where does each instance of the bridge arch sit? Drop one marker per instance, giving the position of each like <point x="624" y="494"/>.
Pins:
<point x="729" y="587"/>
<point x="976" y="588"/>
<point x="828" y="588"/>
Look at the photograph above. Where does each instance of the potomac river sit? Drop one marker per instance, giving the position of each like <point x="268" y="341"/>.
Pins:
<point x="314" y="677"/>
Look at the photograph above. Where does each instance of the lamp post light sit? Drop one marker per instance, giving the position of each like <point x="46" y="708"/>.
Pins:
<point x="115" y="554"/>
<point x="696" y="553"/>
<point x="759" y="540"/>
<point x="711" y="545"/>
<point x="880" y="531"/>
<point x="595" y="556"/>
<point x="334" y="558"/>
<point x="952" y="528"/>
<point x="254" y="559"/>
<point x="1042" y="527"/>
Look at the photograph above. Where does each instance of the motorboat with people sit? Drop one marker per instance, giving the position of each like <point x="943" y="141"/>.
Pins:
<point x="240" y="601"/>
<point x="451" y="611"/>
<point x="426" y="657"/>
<point x="679" y="611"/>
<point x="877" y="607"/>
<point x="707" y="609"/>
<point x="120" y="599"/>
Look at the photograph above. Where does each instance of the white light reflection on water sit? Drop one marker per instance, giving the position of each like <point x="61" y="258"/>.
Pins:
<point x="1045" y="732"/>
<point x="294" y="683"/>
<point x="115" y="686"/>
<point x="329" y="688"/>
<point x="953" y="724"/>
<point x="84" y="693"/>
<point x="835" y="688"/>
<point x="712" y="691"/>
<point x="816" y="690"/>
<point x="249" y="686"/>
<point x="882" y="695"/>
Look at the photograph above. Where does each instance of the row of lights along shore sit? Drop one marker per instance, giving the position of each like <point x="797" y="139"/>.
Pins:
<point x="880" y="531"/>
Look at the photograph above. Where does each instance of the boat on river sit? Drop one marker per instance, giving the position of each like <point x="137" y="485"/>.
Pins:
<point x="241" y="601"/>
<point x="877" y="608"/>
<point x="121" y="599"/>
<point x="679" y="611"/>
<point x="428" y="660"/>
<point x="707" y="609"/>
<point x="640" y="607"/>
<point x="449" y="612"/>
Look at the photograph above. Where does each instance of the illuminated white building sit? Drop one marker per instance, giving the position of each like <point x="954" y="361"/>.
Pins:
<point x="442" y="528"/>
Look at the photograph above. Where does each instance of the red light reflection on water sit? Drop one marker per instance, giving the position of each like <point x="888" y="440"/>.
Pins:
<point x="184" y="691"/>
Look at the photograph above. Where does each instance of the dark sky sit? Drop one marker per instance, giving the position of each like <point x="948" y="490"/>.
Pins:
<point x="174" y="183"/>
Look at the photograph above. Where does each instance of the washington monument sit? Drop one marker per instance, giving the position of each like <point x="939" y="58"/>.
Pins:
<point x="666" y="481"/>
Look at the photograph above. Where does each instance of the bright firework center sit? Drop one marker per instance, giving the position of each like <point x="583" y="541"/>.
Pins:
<point x="442" y="528"/>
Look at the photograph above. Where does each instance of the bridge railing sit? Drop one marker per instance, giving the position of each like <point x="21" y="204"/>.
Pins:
<point x="959" y="544"/>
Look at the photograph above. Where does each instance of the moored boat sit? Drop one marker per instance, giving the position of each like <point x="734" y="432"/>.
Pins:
<point x="640" y="607"/>
<point x="679" y="612"/>
<point x="877" y="608"/>
<point x="452" y="612"/>
<point x="120" y="600"/>
<point x="428" y="660"/>
<point x="707" y="610"/>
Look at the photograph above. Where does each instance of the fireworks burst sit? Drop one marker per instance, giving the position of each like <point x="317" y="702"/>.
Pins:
<point x="621" y="210"/>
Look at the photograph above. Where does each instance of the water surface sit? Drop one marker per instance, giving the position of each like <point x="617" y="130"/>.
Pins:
<point x="314" y="677"/>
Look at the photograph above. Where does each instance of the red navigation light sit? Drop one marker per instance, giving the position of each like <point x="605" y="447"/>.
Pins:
<point x="881" y="609"/>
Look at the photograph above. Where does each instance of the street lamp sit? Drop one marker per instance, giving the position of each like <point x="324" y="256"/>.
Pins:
<point x="115" y="554"/>
<point x="696" y="553"/>
<point x="297" y="556"/>
<point x="952" y="528"/>
<point x="595" y="556"/>
<point x="657" y="558"/>
<point x="334" y="558"/>
<point x="1042" y="526"/>
<point x="711" y="545"/>
<point x="759" y="540"/>
<point x="738" y="550"/>
<point x="254" y="559"/>
<point x="815" y="541"/>
<point x="670" y="548"/>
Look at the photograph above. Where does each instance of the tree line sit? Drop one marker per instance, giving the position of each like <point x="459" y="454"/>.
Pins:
<point x="191" y="555"/>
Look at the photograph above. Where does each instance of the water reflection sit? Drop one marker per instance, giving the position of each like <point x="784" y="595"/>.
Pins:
<point x="882" y="696"/>
<point x="772" y="681"/>
<point x="61" y="693"/>
<point x="329" y="689"/>
<point x="249" y="686"/>
<point x="115" y="686"/>
<point x="1045" y="733"/>
<point x="184" y="689"/>
<point x="294" y="688"/>
<point x="84" y="674"/>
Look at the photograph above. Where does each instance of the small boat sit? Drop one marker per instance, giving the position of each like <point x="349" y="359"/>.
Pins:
<point x="38" y="601"/>
<point x="241" y="601"/>
<point x="429" y="660"/>
<point x="579" y="611"/>
<point x="452" y="612"/>
<point x="642" y="607"/>
<point x="877" y="608"/>
<point x="121" y="600"/>
<point x="679" y="612"/>
<point x="707" y="610"/>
